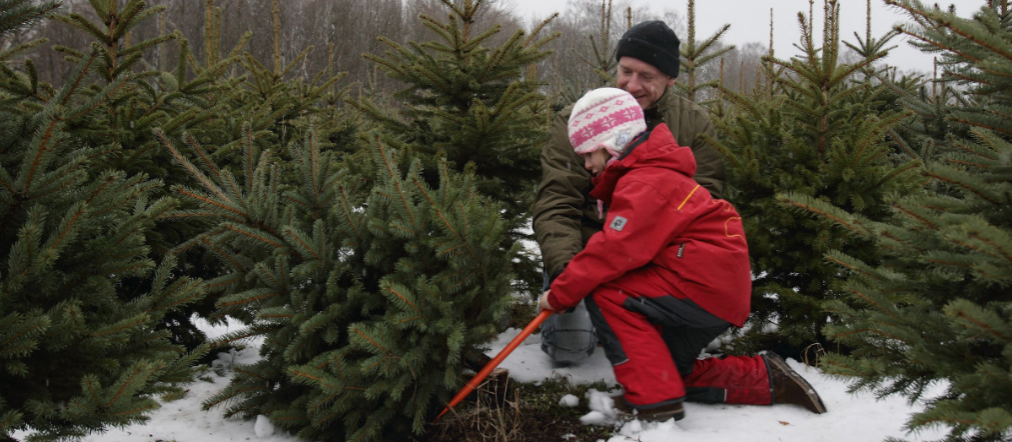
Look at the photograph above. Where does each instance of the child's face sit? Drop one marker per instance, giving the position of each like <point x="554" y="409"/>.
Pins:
<point x="596" y="161"/>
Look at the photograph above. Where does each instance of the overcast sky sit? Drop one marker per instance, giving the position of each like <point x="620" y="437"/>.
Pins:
<point x="750" y="19"/>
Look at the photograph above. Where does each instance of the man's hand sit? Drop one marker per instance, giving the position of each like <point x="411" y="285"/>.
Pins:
<point x="543" y="302"/>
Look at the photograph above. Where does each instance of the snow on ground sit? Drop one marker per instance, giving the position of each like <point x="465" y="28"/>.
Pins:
<point x="849" y="418"/>
<point x="182" y="420"/>
<point x="857" y="417"/>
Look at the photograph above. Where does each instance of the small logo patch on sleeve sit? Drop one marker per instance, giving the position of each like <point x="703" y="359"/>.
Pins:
<point x="618" y="223"/>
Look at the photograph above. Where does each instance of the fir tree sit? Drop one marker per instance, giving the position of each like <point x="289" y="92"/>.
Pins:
<point x="79" y="347"/>
<point x="599" y="55"/>
<point x="935" y="306"/>
<point x="887" y="91"/>
<point x="815" y="138"/>
<point x="602" y="50"/>
<point x="15" y="14"/>
<point x="207" y="97"/>
<point x="470" y="104"/>
<point x="696" y="54"/>
<point x="371" y="288"/>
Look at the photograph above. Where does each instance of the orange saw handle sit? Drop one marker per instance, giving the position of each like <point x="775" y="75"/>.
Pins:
<point x="476" y="380"/>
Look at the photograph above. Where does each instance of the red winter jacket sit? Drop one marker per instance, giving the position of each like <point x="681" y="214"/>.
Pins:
<point x="659" y="217"/>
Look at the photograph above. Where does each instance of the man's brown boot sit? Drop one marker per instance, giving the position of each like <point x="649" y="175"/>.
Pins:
<point x="789" y="387"/>
<point x="658" y="414"/>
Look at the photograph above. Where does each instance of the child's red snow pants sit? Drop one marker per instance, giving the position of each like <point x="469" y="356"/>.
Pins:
<point x="653" y="339"/>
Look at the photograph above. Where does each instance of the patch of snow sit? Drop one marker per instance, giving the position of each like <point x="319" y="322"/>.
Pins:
<point x="569" y="401"/>
<point x="596" y="418"/>
<point x="263" y="428"/>
<point x="602" y="409"/>
<point x="655" y="432"/>
<point x="528" y="364"/>
<point x="183" y="420"/>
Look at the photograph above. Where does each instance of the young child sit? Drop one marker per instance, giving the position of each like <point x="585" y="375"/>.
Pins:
<point x="668" y="273"/>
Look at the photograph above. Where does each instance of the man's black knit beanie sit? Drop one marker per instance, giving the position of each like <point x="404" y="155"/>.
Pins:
<point x="652" y="42"/>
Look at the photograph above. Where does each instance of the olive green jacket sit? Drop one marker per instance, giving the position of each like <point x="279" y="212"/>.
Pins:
<point x="565" y="216"/>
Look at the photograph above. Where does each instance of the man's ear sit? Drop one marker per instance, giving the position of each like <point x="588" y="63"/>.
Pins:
<point x="671" y="81"/>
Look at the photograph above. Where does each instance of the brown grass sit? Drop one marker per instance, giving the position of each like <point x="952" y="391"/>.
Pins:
<point x="504" y="411"/>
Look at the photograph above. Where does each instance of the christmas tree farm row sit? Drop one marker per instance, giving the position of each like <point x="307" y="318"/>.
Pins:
<point x="373" y="241"/>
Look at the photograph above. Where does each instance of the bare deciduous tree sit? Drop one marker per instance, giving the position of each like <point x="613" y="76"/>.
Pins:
<point x="340" y="31"/>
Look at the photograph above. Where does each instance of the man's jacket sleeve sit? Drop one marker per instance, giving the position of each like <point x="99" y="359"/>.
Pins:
<point x="558" y="208"/>
<point x="688" y="122"/>
<point x="631" y="238"/>
<point x="709" y="165"/>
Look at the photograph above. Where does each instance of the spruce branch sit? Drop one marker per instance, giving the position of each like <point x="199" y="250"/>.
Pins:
<point x="211" y="202"/>
<point x="245" y="298"/>
<point x="196" y="173"/>
<point x="400" y="292"/>
<point x="446" y="222"/>
<point x="392" y="175"/>
<point x="965" y="181"/>
<point x="254" y="233"/>
<point x="302" y="242"/>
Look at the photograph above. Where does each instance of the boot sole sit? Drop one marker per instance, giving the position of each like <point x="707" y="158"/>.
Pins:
<point x="625" y="412"/>
<point x="775" y="360"/>
<point x="659" y="417"/>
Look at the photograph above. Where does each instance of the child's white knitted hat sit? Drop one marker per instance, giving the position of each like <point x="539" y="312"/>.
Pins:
<point x="605" y="118"/>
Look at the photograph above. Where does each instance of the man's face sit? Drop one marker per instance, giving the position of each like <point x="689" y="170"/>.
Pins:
<point x="645" y="82"/>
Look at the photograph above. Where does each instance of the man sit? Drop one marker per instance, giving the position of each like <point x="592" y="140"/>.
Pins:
<point x="565" y="217"/>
